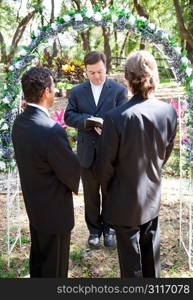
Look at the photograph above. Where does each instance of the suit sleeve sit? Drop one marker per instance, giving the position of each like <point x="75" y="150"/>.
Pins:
<point x="63" y="161"/>
<point x="122" y="96"/>
<point x="72" y="116"/>
<point x="108" y="151"/>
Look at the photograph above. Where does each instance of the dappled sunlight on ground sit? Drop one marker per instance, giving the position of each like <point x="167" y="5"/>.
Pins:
<point x="103" y="263"/>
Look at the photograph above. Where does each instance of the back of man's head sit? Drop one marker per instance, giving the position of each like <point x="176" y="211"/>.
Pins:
<point x="34" y="82"/>
<point x="94" y="57"/>
<point x="141" y="72"/>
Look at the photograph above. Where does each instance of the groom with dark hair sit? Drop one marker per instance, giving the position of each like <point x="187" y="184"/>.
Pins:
<point x="49" y="172"/>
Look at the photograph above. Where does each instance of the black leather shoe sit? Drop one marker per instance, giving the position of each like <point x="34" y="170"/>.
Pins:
<point x="109" y="240"/>
<point x="94" y="241"/>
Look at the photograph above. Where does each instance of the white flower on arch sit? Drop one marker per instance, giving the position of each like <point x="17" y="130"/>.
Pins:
<point x="89" y="13"/>
<point x="66" y="18"/>
<point x="178" y="50"/>
<point x="131" y="20"/>
<point x="184" y="60"/>
<point x="78" y="17"/>
<point x="5" y="100"/>
<point x="2" y="166"/>
<point x="4" y="127"/>
<point x="54" y="26"/>
<point x="97" y="17"/>
<point x="188" y="71"/>
<point x="114" y="18"/>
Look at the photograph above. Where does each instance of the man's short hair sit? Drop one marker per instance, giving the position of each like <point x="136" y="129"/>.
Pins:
<point x="34" y="82"/>
<point x="141" y="72"/>
<point x="94" y="57"/>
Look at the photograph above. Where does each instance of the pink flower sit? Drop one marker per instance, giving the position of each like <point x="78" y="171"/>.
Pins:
<point x="176" y="106"/>
<point x="185" y="139"/>
<point x="59" y="118"/>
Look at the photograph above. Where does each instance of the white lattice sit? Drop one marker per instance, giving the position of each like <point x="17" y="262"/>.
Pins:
<point x="186" y="201"/>
<point x="12" y="185"/>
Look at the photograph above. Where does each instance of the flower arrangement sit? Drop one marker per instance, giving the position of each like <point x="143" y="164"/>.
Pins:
<point x="71" y="71"/>
<point x="119" y="17"/>
<point x="59" y="117"/>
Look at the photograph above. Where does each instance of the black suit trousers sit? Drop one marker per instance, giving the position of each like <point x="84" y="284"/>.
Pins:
<point x="49" y="254"/>
<point x="93" y="201"/>
<point x="139" y="250"/>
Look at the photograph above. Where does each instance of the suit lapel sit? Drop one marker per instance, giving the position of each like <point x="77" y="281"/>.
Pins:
<point x="103" y="94"/>
<point x="90" y="95"/>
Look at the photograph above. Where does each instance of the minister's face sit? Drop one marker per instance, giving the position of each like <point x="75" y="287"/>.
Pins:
<point x="96" y="73"/>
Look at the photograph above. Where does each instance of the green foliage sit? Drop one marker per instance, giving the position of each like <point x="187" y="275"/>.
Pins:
<point x="19" y="267"/>
<point x="172" y="167"/>
<point x="25" y="239"/>
<point x="72" y="137"/>
<point x="77" y="256"/>
<point x="4" y="270"/>
<point x="64" y="85"/>
<point x="8" y="18"/>
<point x="37" y="5"/>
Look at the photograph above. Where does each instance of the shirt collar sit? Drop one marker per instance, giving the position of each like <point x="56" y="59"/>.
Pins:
<point x="40" y="107"/>
<point x="97" y="86"/>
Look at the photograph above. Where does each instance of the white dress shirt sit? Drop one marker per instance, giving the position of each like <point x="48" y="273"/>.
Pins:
<point x="96" y="90"/>
<point x="40" y="107"/>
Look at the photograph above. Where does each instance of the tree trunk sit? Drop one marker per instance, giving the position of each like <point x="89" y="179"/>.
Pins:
<point x="2" y="49"/>
<point x="41" y="12"/>
<point x="142" y="44"/>
<point x="140" y="9"/>
<point x="143" y="13"/>
<point x="124" y="43"/>
<point x="52" y="11"/>
<point x="107" y="48"/>
<point x="86" y="40"/>
<point x="186" y="35"/>
<point x="190" y="52"/>
<point x="116" y="48"/>
<point x="85" y="36"/>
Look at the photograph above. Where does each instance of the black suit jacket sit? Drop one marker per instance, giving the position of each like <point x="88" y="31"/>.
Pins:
<point x="82" y="105"/>
<point x="136" y="141"/>
<point x="49" y="170"/>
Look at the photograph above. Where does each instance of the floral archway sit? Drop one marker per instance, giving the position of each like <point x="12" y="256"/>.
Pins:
<point x="123" y="20"/>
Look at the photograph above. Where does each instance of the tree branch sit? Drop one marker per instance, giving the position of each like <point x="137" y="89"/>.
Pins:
<point x="19" y="32"/>
<point x="140" y="9"/>
<point x="184" y="32"/>
<point x="77" y="2"/>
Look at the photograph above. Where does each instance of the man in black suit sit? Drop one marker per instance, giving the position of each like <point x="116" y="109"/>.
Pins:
<point x="49" y="172"/>
<point x="93" y="98"/>
<point x="137" y="139"/>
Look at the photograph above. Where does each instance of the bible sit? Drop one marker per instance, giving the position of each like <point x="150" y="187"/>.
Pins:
<point x="92" y="122"/>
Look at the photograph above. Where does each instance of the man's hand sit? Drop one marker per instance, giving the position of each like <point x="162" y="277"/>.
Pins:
<point x="98" y="130"/>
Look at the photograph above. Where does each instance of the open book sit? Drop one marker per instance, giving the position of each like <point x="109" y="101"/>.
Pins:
<point x="93" y="122"/>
